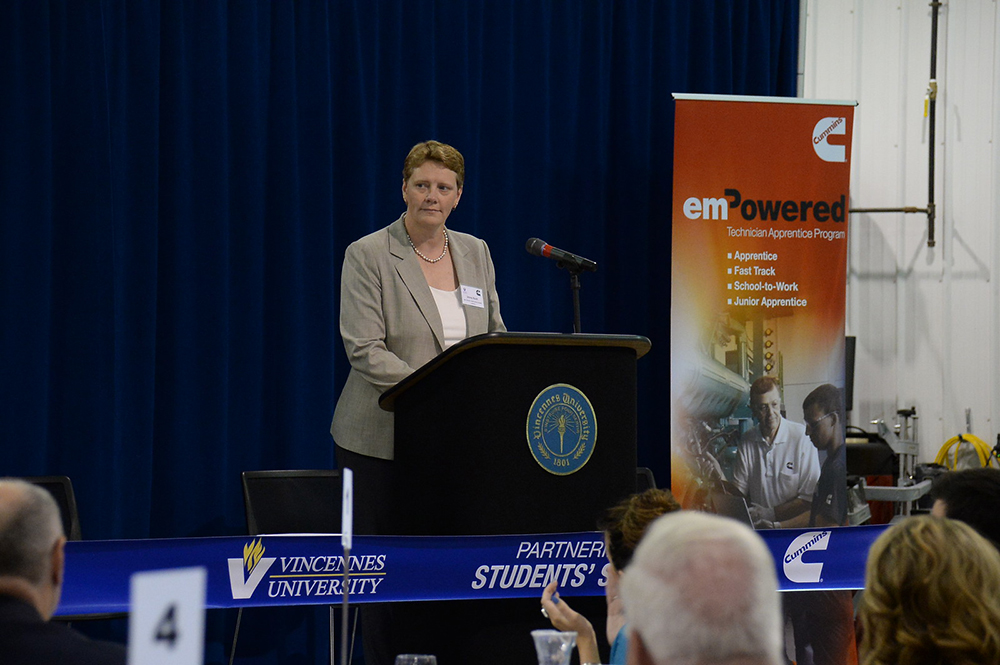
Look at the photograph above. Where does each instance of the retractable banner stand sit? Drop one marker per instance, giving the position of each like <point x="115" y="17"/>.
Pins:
<point x="758" y="295"/>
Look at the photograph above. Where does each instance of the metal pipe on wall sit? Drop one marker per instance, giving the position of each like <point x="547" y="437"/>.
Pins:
<point x="931" y="116"/>
<point x="931" y="208"/>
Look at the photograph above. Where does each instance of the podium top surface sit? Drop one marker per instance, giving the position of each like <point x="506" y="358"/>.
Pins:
<point x="637" y="343"/>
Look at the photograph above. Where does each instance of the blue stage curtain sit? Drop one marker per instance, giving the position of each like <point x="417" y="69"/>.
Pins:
<point x="179" y="180"/>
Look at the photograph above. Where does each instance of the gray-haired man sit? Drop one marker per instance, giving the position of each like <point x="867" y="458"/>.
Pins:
<point x="31" y="575"/>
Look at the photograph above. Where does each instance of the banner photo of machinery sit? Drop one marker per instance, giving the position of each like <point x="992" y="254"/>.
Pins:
<point x="759" y="275"/>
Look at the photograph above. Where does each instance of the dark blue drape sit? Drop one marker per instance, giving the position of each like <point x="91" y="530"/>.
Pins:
<point x="179" y="180"/>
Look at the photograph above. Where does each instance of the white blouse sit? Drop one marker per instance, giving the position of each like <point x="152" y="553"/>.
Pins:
<point x="449" y="304"/>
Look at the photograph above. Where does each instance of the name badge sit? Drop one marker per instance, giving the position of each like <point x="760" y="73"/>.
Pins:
<point x="472" y="296"/>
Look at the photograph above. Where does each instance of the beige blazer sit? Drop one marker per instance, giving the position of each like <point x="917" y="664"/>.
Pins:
<point x="391" y="325"/>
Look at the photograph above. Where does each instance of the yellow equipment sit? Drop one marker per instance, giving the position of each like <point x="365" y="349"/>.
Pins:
<point x="982" y="450"/>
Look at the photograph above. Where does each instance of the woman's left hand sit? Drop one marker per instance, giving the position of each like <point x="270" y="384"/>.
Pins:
<point x="564" y="618"/>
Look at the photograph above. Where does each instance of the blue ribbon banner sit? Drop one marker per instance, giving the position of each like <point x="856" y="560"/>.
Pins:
<point x="309" y="569"/>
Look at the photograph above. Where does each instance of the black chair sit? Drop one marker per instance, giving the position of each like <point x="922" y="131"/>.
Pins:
<point x="644" y="479"/>
<point x="292" y="501"/>
<point x="304" y="501"/>
<point x="872" y="459"/>
<point x="61" y="489"/>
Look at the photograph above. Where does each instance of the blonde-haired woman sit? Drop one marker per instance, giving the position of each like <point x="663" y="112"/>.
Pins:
<point x="932" y="596"/>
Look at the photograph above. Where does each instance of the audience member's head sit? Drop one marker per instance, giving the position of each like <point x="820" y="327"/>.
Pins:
<point x="971" y="496"/>
<point x="623" y="527"/>
<point x="624" y="524"/>
<point x="702" y="589"/>
<point x="31" y="545"/>
<point x="932" y="595"/>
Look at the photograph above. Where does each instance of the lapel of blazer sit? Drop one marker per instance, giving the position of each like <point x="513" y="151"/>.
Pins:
<point x="465" y="271"/>
<point x="408" y="269"/>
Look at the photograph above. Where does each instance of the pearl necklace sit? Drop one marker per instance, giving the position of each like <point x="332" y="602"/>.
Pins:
<point x="420" y="254"/>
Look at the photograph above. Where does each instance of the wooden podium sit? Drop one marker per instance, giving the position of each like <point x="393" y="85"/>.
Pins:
<point x="465" y="427"/>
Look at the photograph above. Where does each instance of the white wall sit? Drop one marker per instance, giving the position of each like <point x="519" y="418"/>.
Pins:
<point x="927" y="320"/>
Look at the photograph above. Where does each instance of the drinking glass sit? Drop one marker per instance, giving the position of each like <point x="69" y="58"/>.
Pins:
<point x="415" y="659"/>
<point x="554" y="647"/>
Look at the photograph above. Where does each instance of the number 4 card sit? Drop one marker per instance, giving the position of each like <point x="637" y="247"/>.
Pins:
<point x="167" y="617"/>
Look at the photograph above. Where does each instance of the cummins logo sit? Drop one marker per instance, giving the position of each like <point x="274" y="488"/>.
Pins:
<point x="826" y="151"/>
<point x="797" y="570"/>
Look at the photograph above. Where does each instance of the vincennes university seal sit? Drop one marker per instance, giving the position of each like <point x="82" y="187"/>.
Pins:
<point x="561" y="429"/>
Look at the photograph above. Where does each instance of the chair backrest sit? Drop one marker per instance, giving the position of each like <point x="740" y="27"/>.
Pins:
<point x="306" y="501"/>
<point x="871" y="459"/>
<point x="644" y="479"/>
<point x="61" y="489"/>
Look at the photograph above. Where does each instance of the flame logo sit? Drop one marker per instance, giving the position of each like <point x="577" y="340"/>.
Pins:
<point x="252" y="552"/>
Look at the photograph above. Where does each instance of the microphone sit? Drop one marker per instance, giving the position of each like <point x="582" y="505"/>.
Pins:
<point x="539" y="247"/>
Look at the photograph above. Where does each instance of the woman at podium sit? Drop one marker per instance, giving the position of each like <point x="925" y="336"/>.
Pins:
<point x="407" y="292"/>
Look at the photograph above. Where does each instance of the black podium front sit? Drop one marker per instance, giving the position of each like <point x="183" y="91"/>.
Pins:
<point x="471" y="428"/>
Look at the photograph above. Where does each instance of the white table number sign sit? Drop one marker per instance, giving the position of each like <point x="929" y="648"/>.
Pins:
<point x="166" y="623"/>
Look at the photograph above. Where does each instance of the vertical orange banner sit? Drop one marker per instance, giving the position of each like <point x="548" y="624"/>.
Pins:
<point x="758" y="295"/>
<point x="759" y="269"/>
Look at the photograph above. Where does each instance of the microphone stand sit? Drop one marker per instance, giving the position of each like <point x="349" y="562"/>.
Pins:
<point x="566" y="261"/>
<point x="574" y="285"/>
